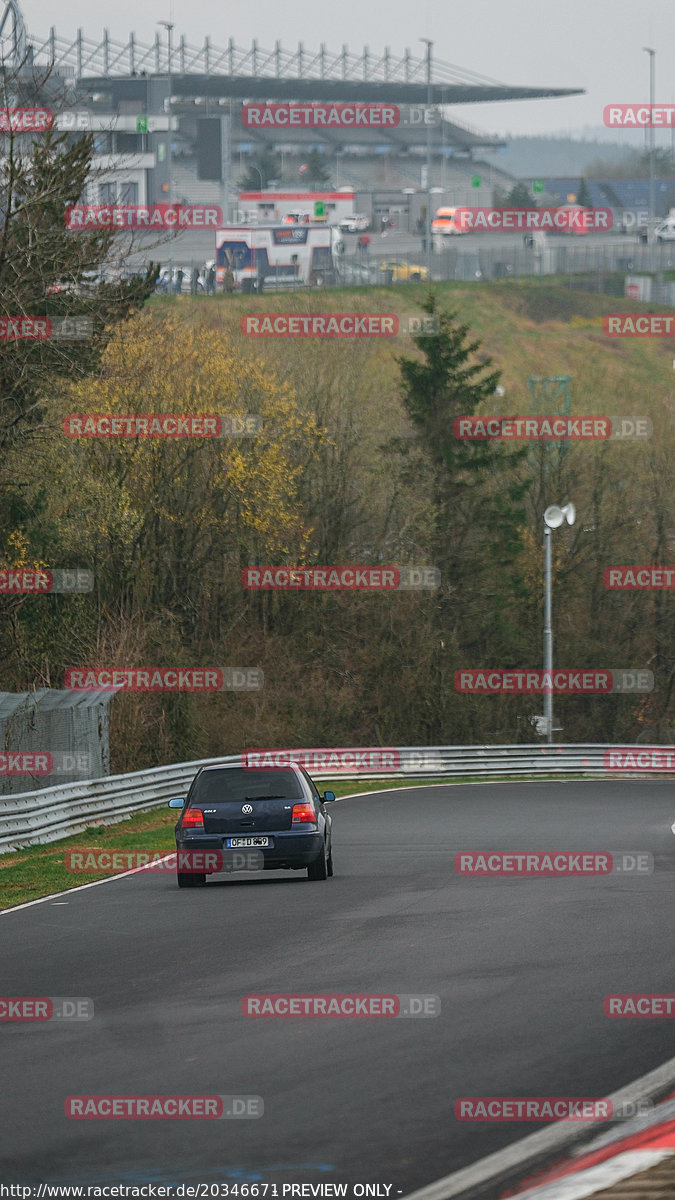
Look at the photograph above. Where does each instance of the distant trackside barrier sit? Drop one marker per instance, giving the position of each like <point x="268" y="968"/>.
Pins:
<point x="32" y="818"/>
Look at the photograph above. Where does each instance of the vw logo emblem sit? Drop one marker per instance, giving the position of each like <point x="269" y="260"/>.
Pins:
<point x="247" y="808"/>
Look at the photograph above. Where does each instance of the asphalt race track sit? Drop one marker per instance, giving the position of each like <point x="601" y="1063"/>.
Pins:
<point x="521" y="966"/>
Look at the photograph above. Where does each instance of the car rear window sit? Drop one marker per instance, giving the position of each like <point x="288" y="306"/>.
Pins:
<point x="235" y="783"/>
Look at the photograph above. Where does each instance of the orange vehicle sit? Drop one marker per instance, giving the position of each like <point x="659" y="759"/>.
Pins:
<point x="444" y="223"/>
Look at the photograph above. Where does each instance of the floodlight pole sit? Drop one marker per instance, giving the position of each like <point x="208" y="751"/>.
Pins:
<point x="548" y="633"/>
<point x="169" y="25"/>
<point x="553" y="519"/>
<point x="428" y="44"/>
<point x="650" y="133"/>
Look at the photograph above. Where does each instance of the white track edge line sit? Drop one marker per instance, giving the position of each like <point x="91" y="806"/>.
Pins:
<point x="82" y="887"/>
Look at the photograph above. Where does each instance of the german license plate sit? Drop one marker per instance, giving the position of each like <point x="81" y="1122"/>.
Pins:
<point x="242" y="843"/>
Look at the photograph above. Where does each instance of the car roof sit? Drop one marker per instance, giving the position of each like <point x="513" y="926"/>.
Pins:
<point x="229" y="766"/>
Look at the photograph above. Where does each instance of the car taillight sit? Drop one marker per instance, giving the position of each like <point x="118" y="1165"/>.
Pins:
<point x="193" y="819"/>
<point x="303" y="814"/>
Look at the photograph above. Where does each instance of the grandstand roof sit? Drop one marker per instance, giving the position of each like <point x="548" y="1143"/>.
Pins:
<point x="279" y="74"/>
<point x="327" y="90"/>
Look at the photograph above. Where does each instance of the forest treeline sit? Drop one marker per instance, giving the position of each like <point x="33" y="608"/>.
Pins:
<point x="355" y="462"/>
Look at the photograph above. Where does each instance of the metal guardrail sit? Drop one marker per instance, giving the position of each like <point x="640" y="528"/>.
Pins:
<point x="34" y="818"/>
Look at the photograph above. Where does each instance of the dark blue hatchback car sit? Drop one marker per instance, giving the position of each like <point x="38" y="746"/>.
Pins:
<point x="237" y="818"/>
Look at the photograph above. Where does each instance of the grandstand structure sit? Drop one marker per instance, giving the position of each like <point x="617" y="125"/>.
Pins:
<point x="628" y="198"/>
<point x="135" y="96"/>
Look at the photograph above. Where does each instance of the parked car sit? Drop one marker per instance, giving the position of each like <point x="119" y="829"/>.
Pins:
<point x="354" y="223"/>
<point x="276" y="818"/>
<point x="87" y="283"/>
<point x="665" y="230"/>
<point x="403" y="271"/>
<point x="297" y="217"/>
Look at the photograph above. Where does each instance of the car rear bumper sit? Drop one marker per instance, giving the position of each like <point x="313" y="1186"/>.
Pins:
<point x="291" y="849"/>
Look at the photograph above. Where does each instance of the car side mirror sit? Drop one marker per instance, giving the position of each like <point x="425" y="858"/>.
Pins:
<point x="177" y="802"/>
<point x="328" y="796"/>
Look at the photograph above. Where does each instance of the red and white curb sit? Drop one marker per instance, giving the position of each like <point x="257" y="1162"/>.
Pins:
<point x="580" y="1158"/>
<point x="597" y="1170"/>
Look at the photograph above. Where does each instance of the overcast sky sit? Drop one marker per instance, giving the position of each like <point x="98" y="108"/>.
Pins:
<point x="594" y="44"/>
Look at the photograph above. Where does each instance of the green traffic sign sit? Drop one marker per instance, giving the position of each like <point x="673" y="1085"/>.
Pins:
<point x="319" y="208"/>
<point x="476" y="180"/>
<point x="141" y="124"/>
<point x="537" y="186"/>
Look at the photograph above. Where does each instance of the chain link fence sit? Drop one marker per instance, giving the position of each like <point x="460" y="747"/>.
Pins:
<point x="580" y="262"/>
<point x="50" y="737"/>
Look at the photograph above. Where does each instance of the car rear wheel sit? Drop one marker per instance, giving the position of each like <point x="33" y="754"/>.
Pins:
<point x="190" y="879"/>
<point x="319" y="868"/>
